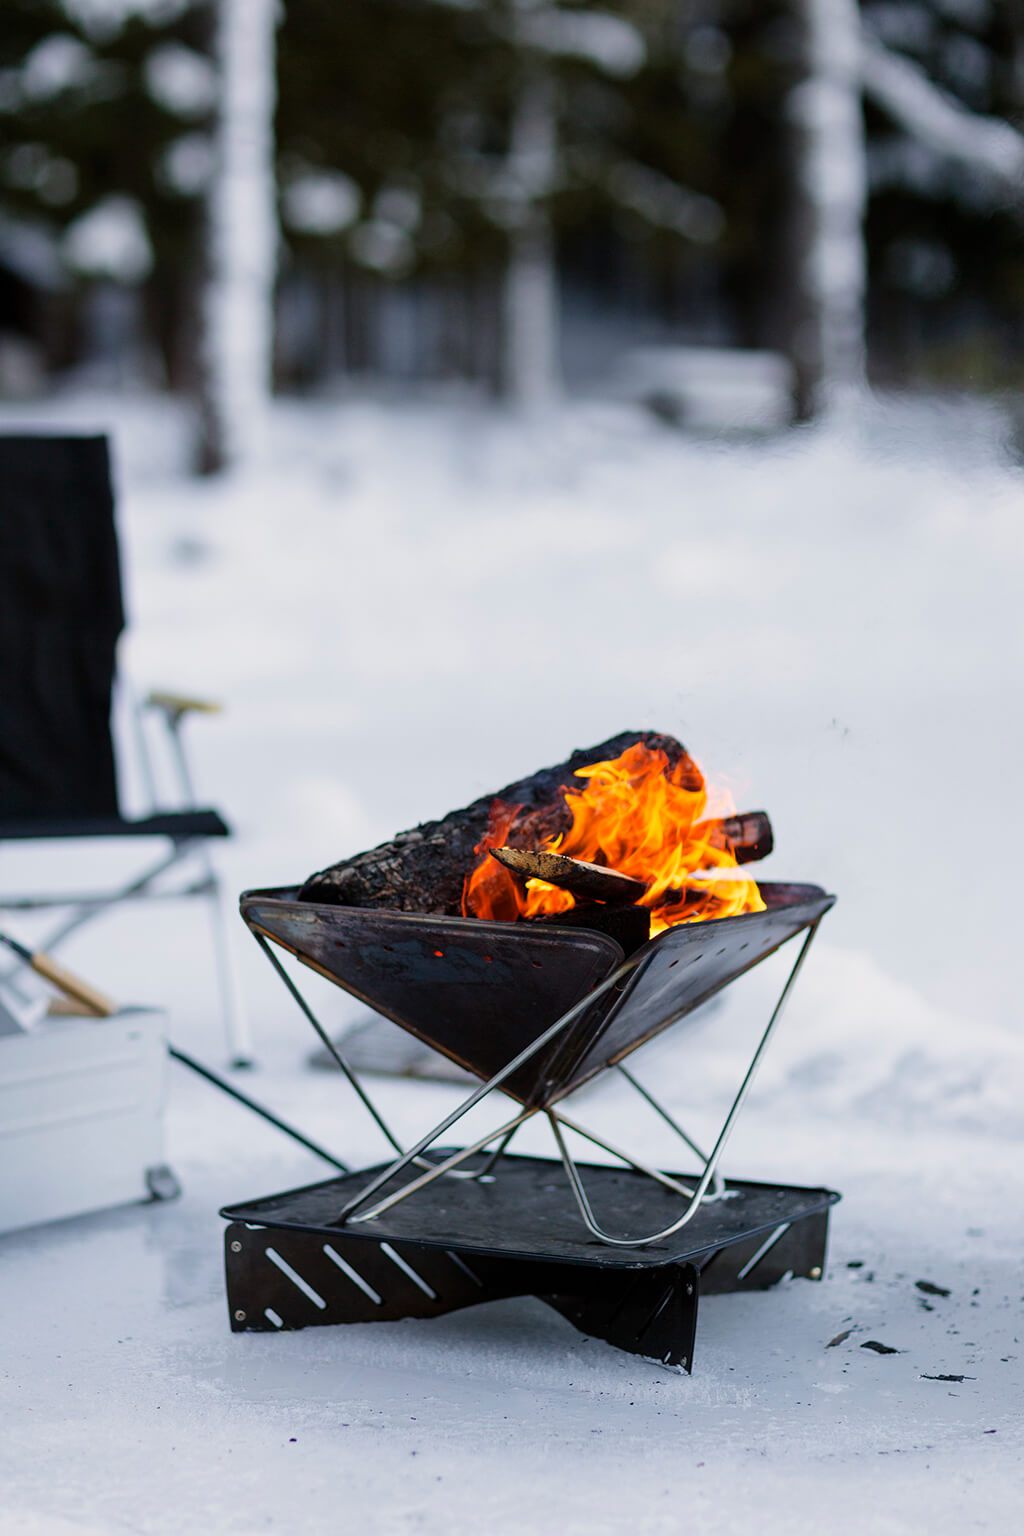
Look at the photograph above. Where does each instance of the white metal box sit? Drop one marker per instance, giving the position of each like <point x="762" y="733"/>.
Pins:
<point x="81" y="1115"/>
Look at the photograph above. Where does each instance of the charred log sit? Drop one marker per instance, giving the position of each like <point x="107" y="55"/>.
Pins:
<point x="592" y="882"/>
<point x="423" y="870"/>
<point x="748" y="834"/>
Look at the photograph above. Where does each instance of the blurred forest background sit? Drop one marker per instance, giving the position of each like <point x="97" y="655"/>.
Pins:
<point x="217" y="197"/>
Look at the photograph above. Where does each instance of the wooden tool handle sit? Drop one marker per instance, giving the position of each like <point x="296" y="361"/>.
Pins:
<point x="72" y="986"/>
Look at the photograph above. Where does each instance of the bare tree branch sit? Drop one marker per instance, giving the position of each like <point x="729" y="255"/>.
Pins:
<point x="932" y="116"/>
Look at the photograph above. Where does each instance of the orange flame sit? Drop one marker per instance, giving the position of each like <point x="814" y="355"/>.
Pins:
<point x="637" y="814"/>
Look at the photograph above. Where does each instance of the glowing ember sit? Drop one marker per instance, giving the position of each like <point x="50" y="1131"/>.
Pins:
<point x="638" y="814"/>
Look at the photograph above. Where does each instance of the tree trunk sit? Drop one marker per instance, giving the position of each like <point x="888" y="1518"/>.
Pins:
<point x="531" y="318"/>
<point x="241" y="233"/>
<point x="830" y="189"/>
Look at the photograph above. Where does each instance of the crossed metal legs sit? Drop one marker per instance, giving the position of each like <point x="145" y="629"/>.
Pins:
<point x="708" y="1186"/>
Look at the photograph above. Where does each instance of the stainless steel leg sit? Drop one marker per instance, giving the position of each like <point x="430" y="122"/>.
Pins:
<point x="447" y="1166"/>
<point x="492" y="1083"/>
<point x="717" y="1183"/>
<point x="624" y="1157"/>
<point x="576" y="1183"/>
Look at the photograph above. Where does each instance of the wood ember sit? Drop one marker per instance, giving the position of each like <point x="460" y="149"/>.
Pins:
<point x="592" y="882"/>
<point x="423" y="870"/>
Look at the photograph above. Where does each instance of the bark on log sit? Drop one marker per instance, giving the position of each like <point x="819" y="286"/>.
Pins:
<point x="423" y="870"/>
<point x="748" y="833"/>
<point x="592" y="882"/>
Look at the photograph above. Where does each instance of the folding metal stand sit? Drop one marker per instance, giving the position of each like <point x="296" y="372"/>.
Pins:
<point x="188" y="830"/>
<point x="289" y="1265"/>
<point x="516" y="1225"/>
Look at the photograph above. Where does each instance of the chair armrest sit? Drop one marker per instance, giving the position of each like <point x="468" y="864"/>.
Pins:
<point x="174" y="707"/>
<point x="177" y="704"/>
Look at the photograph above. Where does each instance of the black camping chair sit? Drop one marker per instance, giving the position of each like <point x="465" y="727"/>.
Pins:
<point x="61" y="614"/>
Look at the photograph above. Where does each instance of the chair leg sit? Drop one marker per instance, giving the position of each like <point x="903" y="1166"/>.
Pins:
<point x="85" y="909"/>
<point x="236" y="1023"/>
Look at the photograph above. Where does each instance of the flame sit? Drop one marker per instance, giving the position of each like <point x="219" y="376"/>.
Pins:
<point x="638" y="814"/>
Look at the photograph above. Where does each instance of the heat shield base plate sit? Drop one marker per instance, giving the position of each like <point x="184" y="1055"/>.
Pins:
<point x="290" y="1265"/>
<point x="526" y="1212"/>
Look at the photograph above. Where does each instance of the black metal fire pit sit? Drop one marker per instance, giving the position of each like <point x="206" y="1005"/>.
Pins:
<point x="535" y="1011"/>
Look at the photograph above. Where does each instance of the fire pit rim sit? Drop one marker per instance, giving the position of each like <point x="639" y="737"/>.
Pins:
<point x="783" y="894"/>
<point x="602" y="1036"/>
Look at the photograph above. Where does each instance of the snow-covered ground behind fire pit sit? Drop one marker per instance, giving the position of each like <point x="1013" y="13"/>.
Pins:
<point x="406" y="606"/>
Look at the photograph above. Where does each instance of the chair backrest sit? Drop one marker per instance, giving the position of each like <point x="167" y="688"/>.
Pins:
<point x="60" y="615"/>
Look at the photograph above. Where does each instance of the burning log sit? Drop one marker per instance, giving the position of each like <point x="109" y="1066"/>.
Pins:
<point x="423" y="870"/>
<point x="645" y="793"/>
<point x="593" y="882"/>
<point x="748" y="834"/>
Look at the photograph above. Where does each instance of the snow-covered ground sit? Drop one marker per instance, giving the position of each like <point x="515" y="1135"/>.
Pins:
<point x="405" y="606"/>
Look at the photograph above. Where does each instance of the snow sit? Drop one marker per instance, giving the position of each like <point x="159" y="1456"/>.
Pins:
<point x="900" y="161"/>
<point x="181" y="80"/>
<point x="103" y="19"/>
<point x="985" y="144"/>
<point x="404" y="606"/>
<point x="382" y="246"/>
<point x="898" y="25"/>
<point x="664" y="203"/>
<point x="400" y="205"/>
<point x="320" y="202"/>
<point x="109" y="240"/>
<point x="924" y="267"/>
<point x="187" y="163"/>
<point x="968" y="13"/>
<point x="25" y="165"/>
<point x="10" y="90"/>
<point x="609" y="43"/>
<point x="969" y="66"/>
<point x="34" y="168"/>
<point x="30" y="252"/>
<point x="707" y="50"/>
<point x="59" y="63"/>
<point x="709" y="388"/>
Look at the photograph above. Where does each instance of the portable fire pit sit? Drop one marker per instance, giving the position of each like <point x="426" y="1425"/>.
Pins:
<point x="535" y="1009"/>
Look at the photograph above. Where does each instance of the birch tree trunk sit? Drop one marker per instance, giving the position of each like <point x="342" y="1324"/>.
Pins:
<point x="829" y="268"/>
<point x="531" y="311"/>
<point x="237" y="310"/>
